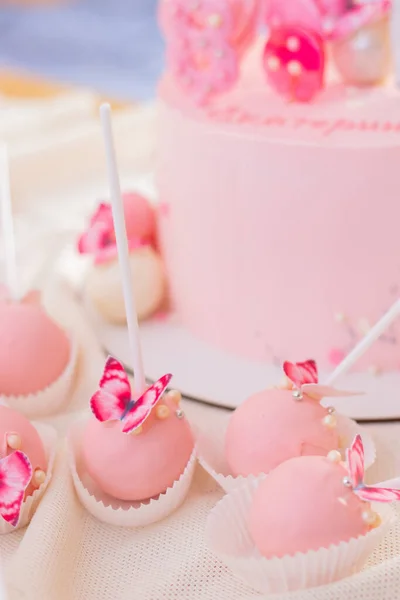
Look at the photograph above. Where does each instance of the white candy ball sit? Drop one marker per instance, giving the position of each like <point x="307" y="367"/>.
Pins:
<point x="365" y="57"/>
<point x="104" y="287"/>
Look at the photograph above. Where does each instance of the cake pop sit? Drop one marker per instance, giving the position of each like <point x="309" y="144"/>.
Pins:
<point x="17" y="433"/>
<point x="313" y="502"/>
<point x="277" y="424"/>
<point x="103" y="284"/>
<point x="138" y="445"/>
<point x="34" y="351"/>
<point x="135" y="450"/>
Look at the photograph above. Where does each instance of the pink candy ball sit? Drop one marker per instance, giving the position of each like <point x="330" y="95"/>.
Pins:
<point x="271" y="427"/>
<point x="34" y="350"/>
<point x="139" y="217"/>
<point x="294" y="62"/>
<point x="12" y="422"/>
<point x="304" y="505"/>
<point x="137" y="467"/>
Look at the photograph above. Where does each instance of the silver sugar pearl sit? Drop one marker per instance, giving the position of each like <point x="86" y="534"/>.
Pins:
<point x="297" y="395"/>
<point x="330" y="410"/>
<point x="347" y="482"/>
<point x="179" y="413"/>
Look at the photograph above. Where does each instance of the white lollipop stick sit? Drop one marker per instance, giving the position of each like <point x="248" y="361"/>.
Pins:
<point x="366" y="342"/>
<point x="3" y="593"/>
<point x="7" y="225"/>
<point x="123" y="252"/>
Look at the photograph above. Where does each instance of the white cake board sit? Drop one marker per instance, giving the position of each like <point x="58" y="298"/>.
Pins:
<point x="210" y="375"/>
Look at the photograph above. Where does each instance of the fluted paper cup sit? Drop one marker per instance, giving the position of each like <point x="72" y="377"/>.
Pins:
<point x="117" y="512"/>
<point x="211" y="451"/>
<point x="48" y="436"/>
<point x="52" y="399"/>
<point x="229" y="538"/>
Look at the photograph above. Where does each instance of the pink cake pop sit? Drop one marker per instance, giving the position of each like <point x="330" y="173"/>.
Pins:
<point x="314" y="502"/>
<point x="103" y="283"/>
<point x="17" y="433"/>
<point x="34" y="351"/>
<point x="135" y="450"/>
<point x="277" y="424"/>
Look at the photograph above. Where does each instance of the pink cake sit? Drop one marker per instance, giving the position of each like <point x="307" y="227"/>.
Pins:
<point x="280" y="218"/>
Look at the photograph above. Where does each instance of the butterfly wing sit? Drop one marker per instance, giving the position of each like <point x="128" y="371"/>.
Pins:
<point x="377" y="494"/>
<point x="355" y="461"/>
<point x="110" y="401"/>
<point x="94" y="239"/>
<point x="301" y="373"/>
<point x="144" y="405"/>
<point x="15" y="475"/>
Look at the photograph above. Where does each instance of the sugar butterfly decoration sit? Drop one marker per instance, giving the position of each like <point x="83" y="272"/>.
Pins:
<point x="99" y="238"/>
<point x="355" y="465"/>
<point x="15" y="475"/>
<point x="114" y="400"/>
<point x="304" y="377"/>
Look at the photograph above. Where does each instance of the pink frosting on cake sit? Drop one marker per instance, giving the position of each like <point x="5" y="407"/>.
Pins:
<point x="137" y="467"/>
<point x="287" y="214"/>
<point x="34" y="350"/>
<point x="304" y="505"/>
<point x="271" y="427"/>
<point x="12" y="422"/>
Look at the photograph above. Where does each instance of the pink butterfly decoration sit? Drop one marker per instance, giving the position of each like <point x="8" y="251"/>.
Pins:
<point x="99" y="238"/>
<point x="304" y="376"/>
<point x="355" y="465"/>
<point x="205" y="42"/>
<point x="114" y="401"/>
<point x="15" y="475"/>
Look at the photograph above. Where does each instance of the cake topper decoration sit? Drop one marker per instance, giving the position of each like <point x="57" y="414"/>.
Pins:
<point x="205" y="42"/>
<point x="114" y="400"/>
<point x="99" y="238"/>
<point x="355" y="465"/>
<point x="7" y="229"/>
<point x="294" y="62"/>
<point x="15" y="475"/>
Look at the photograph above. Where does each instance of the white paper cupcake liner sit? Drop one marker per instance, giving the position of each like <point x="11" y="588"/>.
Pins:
<point x="211" y="452"/>
<point x="116" y="512"/>
<point x="48" y="436"/>
<point x="50" y="400"/>
<point x="229" y="538"/>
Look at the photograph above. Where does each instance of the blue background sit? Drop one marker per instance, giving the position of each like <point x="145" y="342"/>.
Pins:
<point x="111" y="45"/>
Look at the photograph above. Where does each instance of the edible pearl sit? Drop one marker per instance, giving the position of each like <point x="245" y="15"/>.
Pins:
<point x="179" y="413"/>
<point x="364" y="57"/>
<point x="297" y="395"/>
<point x="294" y="68"/>
<point x="370" y="518"/>
<point x="39" y="477"/>
<point x="14" y="441"/>
<point x="334" y="456"/>
<point x="137" y="431"/>
<point x="293" y="44"/>
<point x="330" y="421"/>
<point x="162" y="411"/>
<point x="215" y="20"/>
<point x="347" y="482"/>
<point x="174" y="396"/>
<point x="330" y="410"/>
